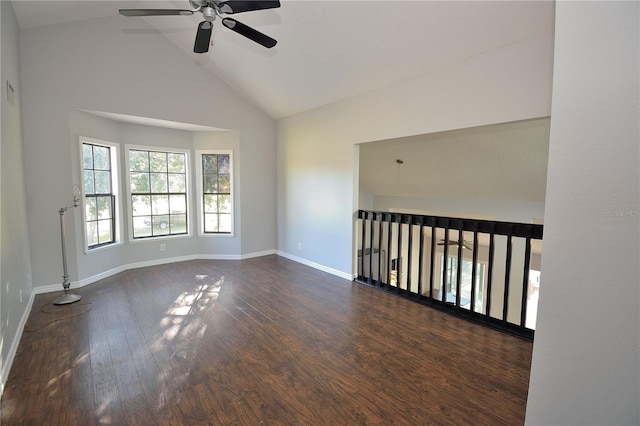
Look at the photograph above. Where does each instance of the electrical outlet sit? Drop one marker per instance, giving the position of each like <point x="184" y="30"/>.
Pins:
<point x="299" y="246"/>
<point x="163" y="247"/>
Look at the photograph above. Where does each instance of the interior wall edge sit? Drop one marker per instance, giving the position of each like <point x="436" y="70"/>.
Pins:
<point x="15" y="342"/>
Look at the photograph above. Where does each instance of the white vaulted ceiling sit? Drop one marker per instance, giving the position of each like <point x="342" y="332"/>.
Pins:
<point x="327" y="50"/>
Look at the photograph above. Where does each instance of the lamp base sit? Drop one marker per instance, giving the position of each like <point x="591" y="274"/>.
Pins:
<point x="66" y="299"/>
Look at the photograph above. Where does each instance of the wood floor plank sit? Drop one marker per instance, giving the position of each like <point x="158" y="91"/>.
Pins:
<point x="259" y="341"/>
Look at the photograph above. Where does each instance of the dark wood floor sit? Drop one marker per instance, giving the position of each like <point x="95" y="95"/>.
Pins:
<point x="259" y="341"/>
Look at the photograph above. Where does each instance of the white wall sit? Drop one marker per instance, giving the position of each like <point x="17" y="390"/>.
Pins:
<point x="585" y="367"/>
<point x="101" y="65"/>
<point x="15" y="269"/>
<point x="316" y="205"/>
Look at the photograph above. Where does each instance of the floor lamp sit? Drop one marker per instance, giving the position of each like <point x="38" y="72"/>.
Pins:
<point x="67" y="297"/>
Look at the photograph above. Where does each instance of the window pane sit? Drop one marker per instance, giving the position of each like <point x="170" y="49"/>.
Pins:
<point x="177" y="183"/>
<point x="224" y="223"/>
<point x="139" y="182"/>
<point x="158" y="182"/>
<point x="210" y="203"/>
<point x="224" y="166"/>
<point x="104" y="231"/>
<point x="160" y="204"/>
<point x="179" y="224"/>
<point x="210" y="223"/>
<point x="101" y="158"/>
<point x="103" y="182"/>
<point x="92" y="233"/>
<point x="224" y="204"/>
<point x="209" y="163"/>
<point x="138" y="161"/>
<point x="88" y="182"/>
<point x="177" y="204"/>
<point x="141" y="226"/>
<point x="176" y="163"/>
<point x="210" y="183"/>
<point x="141" y="205"/>
<point x="224" y="184"/>
<point x="160" y="225"/>
<point x="158" y="161"/>
<point x="90" y="208"/>
<point x="104" y="208"/>
<point x="87" y="156"/>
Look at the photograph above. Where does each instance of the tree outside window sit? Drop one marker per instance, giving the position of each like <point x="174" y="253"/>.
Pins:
<point x="217" y="209"/>
<point x="158" y="184"/>
<point x="99" y="197"/>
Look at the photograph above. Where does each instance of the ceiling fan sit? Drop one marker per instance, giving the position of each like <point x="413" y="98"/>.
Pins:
<point x="210" y="9"/>
<point x="465" y="245"/>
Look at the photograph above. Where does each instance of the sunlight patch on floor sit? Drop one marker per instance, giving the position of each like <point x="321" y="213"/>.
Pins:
<point x="182" y="324"/>
<point x="191" y="301"/>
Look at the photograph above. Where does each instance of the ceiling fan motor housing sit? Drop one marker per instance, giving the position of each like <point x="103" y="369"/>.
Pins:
<point x="208" y="13"/>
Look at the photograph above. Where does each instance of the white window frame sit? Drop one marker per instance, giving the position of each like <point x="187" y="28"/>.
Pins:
<point x="200" y="192"/>
<point x="188" y="172"/>
<point x="115" y="191"/>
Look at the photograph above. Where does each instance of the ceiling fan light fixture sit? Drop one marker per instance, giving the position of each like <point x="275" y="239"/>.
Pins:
<point x="225" y="8"/>
<point x="229" y="23"/>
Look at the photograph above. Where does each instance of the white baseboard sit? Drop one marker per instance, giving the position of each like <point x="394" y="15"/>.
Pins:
<point x="6" y="364"/>
<point x="259" y="254"/>
<point x="236" y="256"/>
<point x="218" y="257"/>
<point x="314" y="265"/>
<point x="90" y="280"/>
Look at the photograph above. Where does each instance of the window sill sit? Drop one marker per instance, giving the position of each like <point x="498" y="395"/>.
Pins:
<point x="102" y="248"/>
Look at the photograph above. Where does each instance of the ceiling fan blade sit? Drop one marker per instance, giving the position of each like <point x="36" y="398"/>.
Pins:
<point x="233" y="6"/>
<point x="454" y="243"/>
<point x="203" y="37"/>
<point x="249" y="32"/>
<point x="155" y="12"/>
